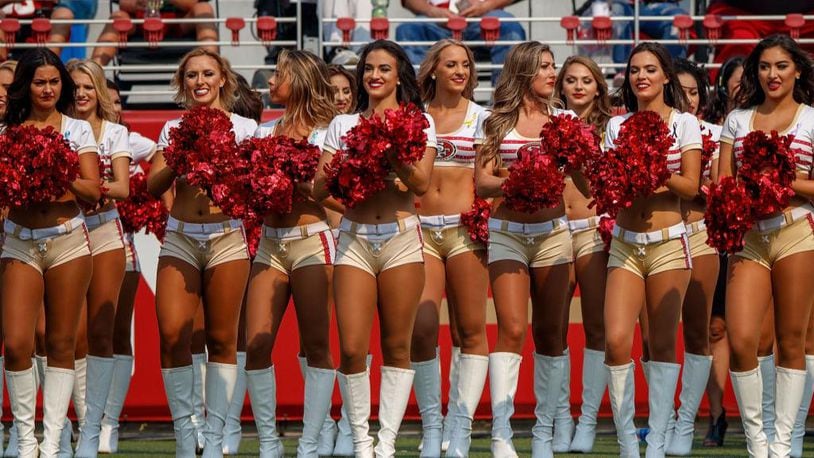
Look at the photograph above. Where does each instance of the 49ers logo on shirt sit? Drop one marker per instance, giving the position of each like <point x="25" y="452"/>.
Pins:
<point x="529" y="148"/>
<point x="447" y="150"/>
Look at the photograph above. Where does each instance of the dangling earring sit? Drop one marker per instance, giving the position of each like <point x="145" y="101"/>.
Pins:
<point x="398" y="83"/>
<point x="433" y="77"/>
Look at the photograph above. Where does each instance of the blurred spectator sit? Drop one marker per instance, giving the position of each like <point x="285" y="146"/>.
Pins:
<point x="344" y="83"/>
<point x="745" y="30"/>
<point x="248" y="103"/>
<point x="69" y="10"/>
<point x="20" y="9"/>
<point x="432" y="32"/>
<point x="357" y="9"/>
<point x="190" y="9"/>
<point x="287" y="31"/>
<point x="655" y="30"/>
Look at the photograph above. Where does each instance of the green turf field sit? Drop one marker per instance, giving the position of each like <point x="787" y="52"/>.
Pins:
<point x="155" y="440"/>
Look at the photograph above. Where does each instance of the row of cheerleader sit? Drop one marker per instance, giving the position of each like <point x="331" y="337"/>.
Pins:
<point x="383" y="191"/>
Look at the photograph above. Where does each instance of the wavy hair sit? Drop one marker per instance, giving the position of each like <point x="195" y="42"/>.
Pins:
<point x="600" y="111"/>
<point x="248" y="103"/>
<point x="673" y="94"/>
<point x="350" y="75"/>
<point x="104" y="104"/>
<point x="751" y="94"/>
<point x="18" y="107"/>
<point x="720" y="103"/>
<point x="406" y="92"/>
<point x="311" y="103"/>
<point x="427" y="83"/>
<point x="700" y="76"/>
<point x="227" y="92"/>
<point x="519" y="70"/>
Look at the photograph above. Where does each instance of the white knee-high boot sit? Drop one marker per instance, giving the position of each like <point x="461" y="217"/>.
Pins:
<point x="327" y="432"/>
<point x="355" y="390"/>
<point x="80" y="388"/>
<point x="768" y="374"/>
<point x="563" y="421"/>
<point x="748" y="389"/>
<point x="263" y="395"/>
<point x="799" y="431"/>
<point x="453" y="402"/>
<point x="790" y="386"/>
<point x="198" y="398"/>
<point x="504" y="370"/>
<point x="594" y="382"/>
<point x="549" y="372"/>
<point x="178" y="383"/>
<point x="100" y="371"/>
<point x="319" y="384"/>
<point x="119" y="385"/>
<point x="220" y="388"/>
<point x="622" y="392"/>
<point x="232" y="433"/>
<point x="56" y="394"/>
<point x="663" y="379"/>
<point x="394" y="394"/>
<point x="427" y="386"/>
<point x="343" y="445"/>
<point x="471" y="378"/>
<point x="22" y="392"/>
<point x="693" y="385"/>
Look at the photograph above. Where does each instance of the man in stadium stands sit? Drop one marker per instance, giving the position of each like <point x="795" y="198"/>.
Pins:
<point x="197" y="9"/>
<point x="509" y="31"/>
<point x="655" y="30"/>
<point x="68" y="10"/>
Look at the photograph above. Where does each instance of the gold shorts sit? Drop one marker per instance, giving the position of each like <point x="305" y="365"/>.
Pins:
<point x="375" y="248"/>
<point x="535" y="245"/>
<point x="130" y="255"/>
<point x="445" y="237"/>
<point x="585" y="236"/>
<point x="205" y="245"/>
<point x="773" y="244"/>
<point x="46" y="248"/>
<point x="649" y="253"/>
<point x="288" y="249"/>
<point x="697" y="234"/>
<point x="107" y="237"/>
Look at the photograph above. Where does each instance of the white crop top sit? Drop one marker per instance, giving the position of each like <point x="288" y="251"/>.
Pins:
<point x="513" y="143"/>
<point x="739" y="124"/>
<point x="242" y="127"/>
<point x="113" y="143"/>
<point x="316" y="138"/>
<point x="342" y="124"/>
<point x="684" y="128"/>
<point x="79" y="134"/>
<point x="457" y="149"/>
<point x="142" y="148"/>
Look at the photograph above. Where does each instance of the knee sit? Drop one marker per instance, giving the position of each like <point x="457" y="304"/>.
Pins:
<point x="790" y="348"/>
<point x="548" y="341"/>
<point x="617" y="348"/>
<point x="17" y="351"/>
<point x="662" y="349"/>
<point x="174" y="347"/>
<point x="696" y="340"/>
<point x="717" y="329"/>
<point x="100" y="337"/>
<point x="258" y="355"/>
<point x="594" y="335"/>
<point x="317" y="351"/>
<point x="513" y="334"/>
<point x="62" y="13"/>
<point x="742" y="351"/>
<point x="60" y="346"/>
<point x="221" y="346"/>
<point x="425" y="336"/>
<point x="396" y="351"/>
<point x="202" y="9"/>
<point x="472" y="337"/>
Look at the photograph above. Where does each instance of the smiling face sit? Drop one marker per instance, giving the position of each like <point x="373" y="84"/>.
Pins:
<point x="279" y="88"/>
<point x="690" y="87"/>
<point x="543" y="83"/>
<point x="579" y="87"/>
<point x="647" y="77"/>
<point x="453" y="70"/>
<point x="46" y="88"/>
<point x="380" y="77"/>
<point x="6" y="77"/>
<point x="777" y="73"/>
<point x="343" y="95"/>
<point x="203" y="79"/>
<point x="86" y="99"/>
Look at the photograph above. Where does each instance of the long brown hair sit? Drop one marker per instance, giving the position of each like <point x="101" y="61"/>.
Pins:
<point x="350" y="75"/>
<point x="311" y="103"/>
<point x="426" y="83"/>
<point x="519" y="70"/>
<point x="600" y="110"/>
<point x="674" y="96"/>
<point x="227" y="92"/>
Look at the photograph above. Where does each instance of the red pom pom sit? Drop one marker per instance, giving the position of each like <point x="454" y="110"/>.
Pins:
<point x="605" y="229"/>
<point x="476" y="220"/>
<point x="768" y="169"/>
<point x="635" y="167"/>
<point x="254" y="230"/>
<point x="36" y="166"/>
<point x="534" y="182"/>
<point x="359" y="170"/>
<point x="708" y="149"/>
<point x="569" y="140"/>
<point x="729" y="215"/>
<point x="141" y="210"/>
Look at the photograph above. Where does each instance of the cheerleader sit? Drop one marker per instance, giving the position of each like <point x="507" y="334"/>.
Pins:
<point x="453" y="262"/>
<point x="379" y="260"/>
<point x="775" y="93"/>
<point x="46" y="249"/>
<point x="529" y="254"/>
<point x="107" y="243"/>
<point x="649" y="260"/>
<point x="582" y="87"/>
<point x="726" y="87"/>
<point x="143" y="151"/>
<point x="344" y="84"/>
<point x="294" y="258"/>
<point x="6" y="77"/>
<point x="204" y="260"/>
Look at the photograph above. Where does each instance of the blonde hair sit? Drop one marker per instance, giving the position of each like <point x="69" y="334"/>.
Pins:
<point x="427" y="84"/>
<point x="350" y="75"/>
<point x="601" y="108"/>
<point x="519" y="70"/>
<point x="311" y="103"/>
<point x="104" y="104"/>
<point x="9" y="65"/>
<point x="227" y="92"/>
